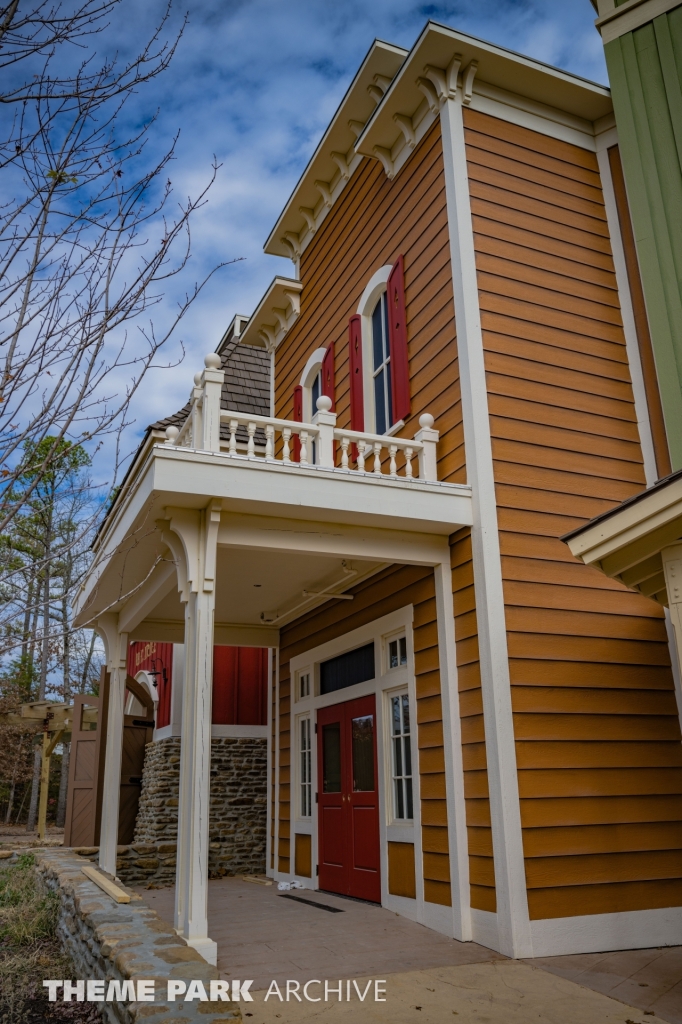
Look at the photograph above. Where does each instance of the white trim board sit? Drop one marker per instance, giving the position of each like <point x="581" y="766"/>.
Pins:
<point x="432" y="915"/>
<point x="259" y="732"/>
<point x="599" y="933"/>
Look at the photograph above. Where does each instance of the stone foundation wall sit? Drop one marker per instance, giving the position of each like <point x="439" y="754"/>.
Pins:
<point x="237" y="825"/>
<point x="126" y="941"/>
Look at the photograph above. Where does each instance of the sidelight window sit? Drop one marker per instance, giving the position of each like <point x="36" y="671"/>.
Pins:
<point x="305" y="767"/>
<point x="401" y="756"/>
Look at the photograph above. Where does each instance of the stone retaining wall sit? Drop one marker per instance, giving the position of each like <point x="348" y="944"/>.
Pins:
<point x="237" y="825"/>
<point x="127" y="941"/>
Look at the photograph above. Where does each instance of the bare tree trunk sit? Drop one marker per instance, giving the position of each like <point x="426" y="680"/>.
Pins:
<point x="13" y="783"/>
<point x="66" y="653"/>
<point x="23" y="801"/>
<point x="44" y="664"/>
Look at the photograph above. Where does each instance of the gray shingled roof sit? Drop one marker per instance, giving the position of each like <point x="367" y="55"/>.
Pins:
<point x="246" y="387"/>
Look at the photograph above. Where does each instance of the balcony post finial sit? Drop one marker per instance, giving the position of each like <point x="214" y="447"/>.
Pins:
<point x="212" y="384"/>
<point x="428" y="466"/>
<point x="325" y="421"/>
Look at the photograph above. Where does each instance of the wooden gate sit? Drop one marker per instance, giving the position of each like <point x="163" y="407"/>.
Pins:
<point x="86" y="766"/>
<point x="83" y="802"/>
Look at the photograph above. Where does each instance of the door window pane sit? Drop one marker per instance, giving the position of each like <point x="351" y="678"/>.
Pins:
<point x="362" y="734"/>
<point x="331" y="758"/>
<point x="306" y="767"/>
<point x="402" y="757"/>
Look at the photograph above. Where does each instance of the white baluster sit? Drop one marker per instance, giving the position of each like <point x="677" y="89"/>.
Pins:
<point x="344" y="452"/>
<point x="304" y="447"/>
<point x="361" y="456"/>
<point x="408" y="463"/>
<point x="286" y="451"/>
<point x="251" y="447"/>
<point x="377" y="457"/>
<point x="269" y="437"/>
<point x="393" y="469"/>
<point x="233" y="437"/>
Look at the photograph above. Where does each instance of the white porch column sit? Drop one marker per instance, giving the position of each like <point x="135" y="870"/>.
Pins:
<point x="193" y="536"/>
<point x="117" y="657"/>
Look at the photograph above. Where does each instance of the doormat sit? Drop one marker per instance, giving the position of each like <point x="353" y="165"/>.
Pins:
<point x="311" y="903"/>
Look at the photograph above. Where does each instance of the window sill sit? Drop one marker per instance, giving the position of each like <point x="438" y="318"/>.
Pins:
<point x="395" y="428"/>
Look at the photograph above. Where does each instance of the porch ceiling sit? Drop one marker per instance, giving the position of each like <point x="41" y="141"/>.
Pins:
<point x="261" y="589"/>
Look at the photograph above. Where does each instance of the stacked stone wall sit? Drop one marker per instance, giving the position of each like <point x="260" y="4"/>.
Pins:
<point x="237" y="824"/>
<point x="127" y="941"/>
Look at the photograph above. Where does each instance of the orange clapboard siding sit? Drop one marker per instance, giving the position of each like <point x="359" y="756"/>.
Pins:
<point x="481" y="865"/>
<point x="596" y="726"/>
<point x="405" y="216"/>
<point x="381" y="594"/>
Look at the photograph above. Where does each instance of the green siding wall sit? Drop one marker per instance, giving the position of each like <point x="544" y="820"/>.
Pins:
<point x="645" y="71"/>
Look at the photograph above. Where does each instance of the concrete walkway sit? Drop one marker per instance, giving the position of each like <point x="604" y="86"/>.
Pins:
<point x="266" y="936"/>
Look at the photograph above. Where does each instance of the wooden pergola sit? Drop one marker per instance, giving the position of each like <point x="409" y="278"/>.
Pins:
<point x="55" y="722"/>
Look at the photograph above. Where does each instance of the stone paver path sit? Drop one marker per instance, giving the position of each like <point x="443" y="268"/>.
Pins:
<point x="266" y="937"/>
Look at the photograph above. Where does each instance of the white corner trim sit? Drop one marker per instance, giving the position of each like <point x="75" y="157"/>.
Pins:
<point x="373" y="289"/>
<point x="629" y="329"/>
<point x="599" y="933"/>
<point x="510" y="879"/>
<point x="312" y="368"/>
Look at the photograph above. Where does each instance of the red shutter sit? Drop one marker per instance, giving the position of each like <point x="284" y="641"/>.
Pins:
<point x="328" y="376"/>
<point x="298" y="418"/>
<point x="397" y="338"/>
<point x="357" y="403"/>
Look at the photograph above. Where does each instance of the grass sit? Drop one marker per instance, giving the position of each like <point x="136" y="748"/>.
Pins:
<point x="30" y="950"/>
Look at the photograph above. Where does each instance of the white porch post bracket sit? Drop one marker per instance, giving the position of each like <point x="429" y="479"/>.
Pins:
<point x="513" y="923"/>
<point x="116" y="645"/>
<point x="192" y="535"/>
<point x="326" y="421"/>
<point x="212" y="384"/>
<point x="452" y="742"/>
<point x="428" y="464"/>
<point x="672" y="567"/>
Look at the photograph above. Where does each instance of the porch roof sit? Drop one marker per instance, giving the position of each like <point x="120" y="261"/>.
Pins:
<point x="625" y="543"/>
<point x="309" y="531"/>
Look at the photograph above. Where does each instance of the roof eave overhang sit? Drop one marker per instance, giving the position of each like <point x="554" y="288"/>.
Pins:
<point x="496" y="69"/>
<point x="292" y="228"/>
<point x="275" y="314"/>
<point x="626" y="544"/>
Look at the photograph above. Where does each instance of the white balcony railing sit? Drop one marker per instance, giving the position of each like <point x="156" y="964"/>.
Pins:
<point x="320" y="443"/>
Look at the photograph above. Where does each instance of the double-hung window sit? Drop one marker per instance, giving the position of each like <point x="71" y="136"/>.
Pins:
<point x="381" y="367"/>
<point x="305" y="768"/>
<point x="401" y="757"/>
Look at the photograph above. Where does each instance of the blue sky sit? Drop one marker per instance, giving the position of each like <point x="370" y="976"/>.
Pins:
<point x="255" y="82"/>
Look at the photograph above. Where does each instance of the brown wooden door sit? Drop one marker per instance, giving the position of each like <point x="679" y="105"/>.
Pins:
<point x="348" y="799"/>
<point x="81" y="825"/>
<point x="137" y="732"/>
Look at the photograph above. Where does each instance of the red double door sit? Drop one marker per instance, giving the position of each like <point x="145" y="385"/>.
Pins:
<point x="349" y="799"/>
